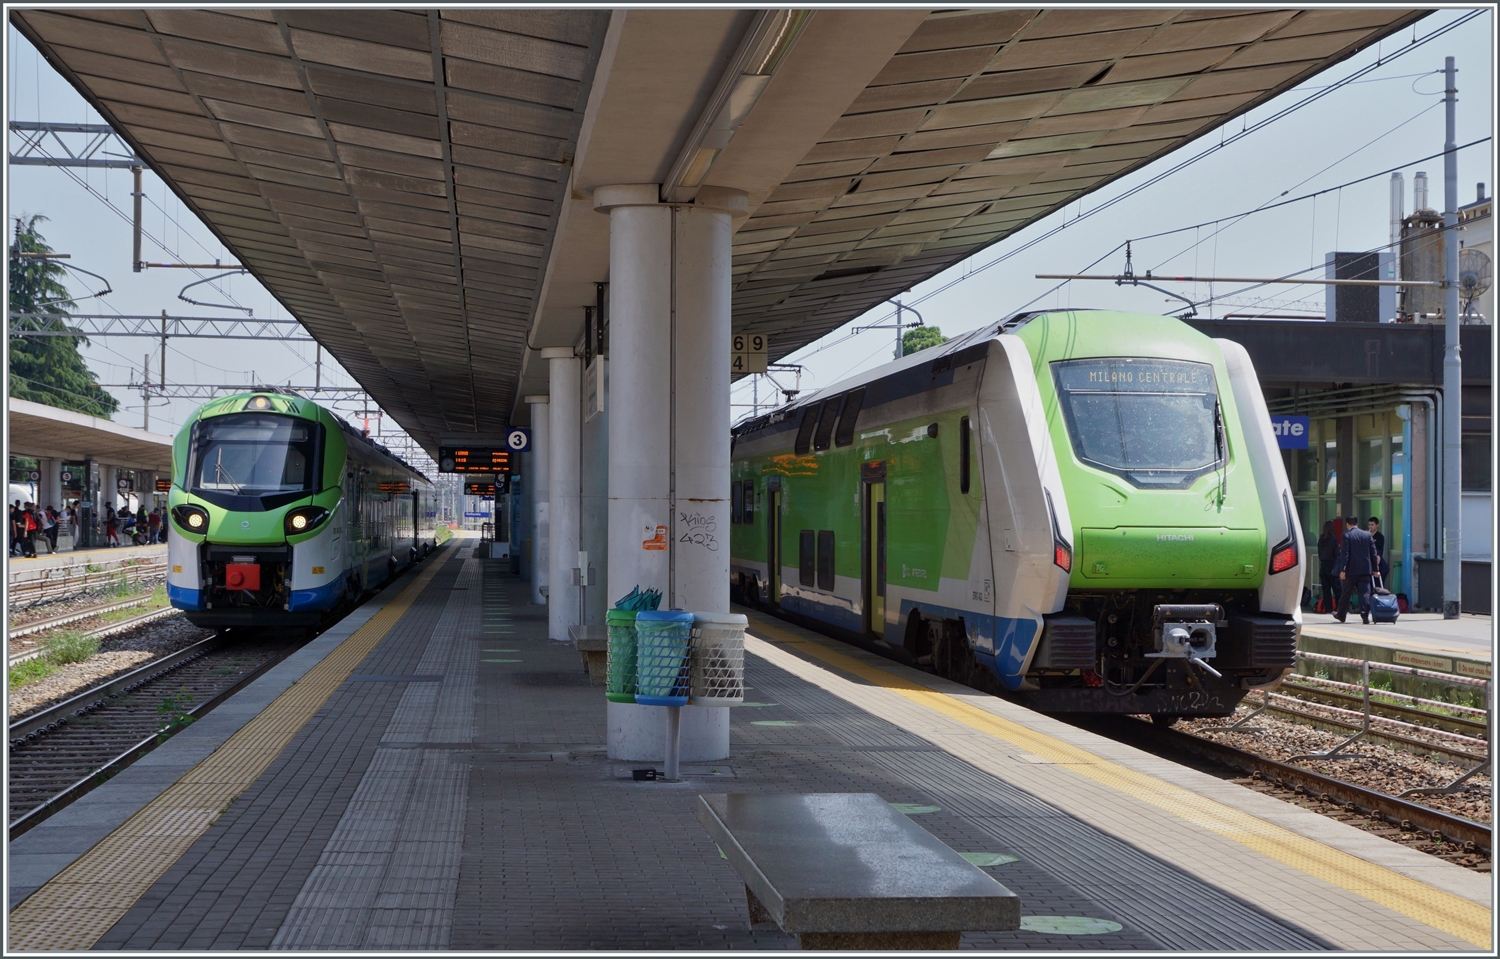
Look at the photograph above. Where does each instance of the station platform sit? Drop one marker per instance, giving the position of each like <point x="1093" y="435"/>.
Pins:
<point x="32" y="566"/>
<point x="431" y="773"/>
<point x="1470" y="637"/>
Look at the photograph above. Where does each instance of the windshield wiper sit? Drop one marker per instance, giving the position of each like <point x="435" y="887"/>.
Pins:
<point x="221" y="474"/>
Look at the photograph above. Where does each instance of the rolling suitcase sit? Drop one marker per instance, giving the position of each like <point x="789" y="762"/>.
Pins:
<point x="1383" y="605"/>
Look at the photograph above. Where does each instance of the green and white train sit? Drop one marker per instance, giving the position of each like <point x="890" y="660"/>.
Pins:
<point x="1085" y="508"/>
<point x="281" y="513"/>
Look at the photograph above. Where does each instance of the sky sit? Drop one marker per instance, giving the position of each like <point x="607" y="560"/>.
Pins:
<point x="1391" y="118"/>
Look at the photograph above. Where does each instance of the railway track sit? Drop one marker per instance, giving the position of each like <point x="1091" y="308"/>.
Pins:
<point x="109" y="629"/>
<point x="1408" y="816"/>
<point x="65" y="581"/>
<point x="60" y="753"/>
<point x="42" y="625"/>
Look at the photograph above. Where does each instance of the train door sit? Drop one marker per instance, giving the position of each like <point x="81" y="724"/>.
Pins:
<point x="873" y="543"/>
<point x="773" y="544"/>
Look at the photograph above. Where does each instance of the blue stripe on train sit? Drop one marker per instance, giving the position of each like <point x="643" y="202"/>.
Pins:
<point x="320" y="597"/>
<point x="1011" y="639"/>
<point x="183" y="598"/>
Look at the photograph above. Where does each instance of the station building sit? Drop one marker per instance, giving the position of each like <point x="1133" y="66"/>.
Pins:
<point x="73" y="459"/>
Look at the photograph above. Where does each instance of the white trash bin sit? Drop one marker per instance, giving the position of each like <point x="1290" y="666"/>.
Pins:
<point x="718" y="659"/>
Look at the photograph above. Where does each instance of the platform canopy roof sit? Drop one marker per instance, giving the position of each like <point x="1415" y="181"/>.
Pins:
<point x="414" y="186"/>
<point x="46" y="432"/>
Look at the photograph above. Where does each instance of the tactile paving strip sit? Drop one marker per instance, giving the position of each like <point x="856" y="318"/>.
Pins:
<point x="82" y="902"/>
<point x="1409" y="897"/>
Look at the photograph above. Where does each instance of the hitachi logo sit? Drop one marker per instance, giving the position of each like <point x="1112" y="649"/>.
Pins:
<point x="1174" y="537"/>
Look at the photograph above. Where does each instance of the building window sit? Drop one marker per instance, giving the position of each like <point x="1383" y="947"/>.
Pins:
<point x="1476" y="474"/>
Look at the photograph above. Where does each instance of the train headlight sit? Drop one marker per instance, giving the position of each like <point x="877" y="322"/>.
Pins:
<point x="304" y="519"/>
<point x="192" y="519"/>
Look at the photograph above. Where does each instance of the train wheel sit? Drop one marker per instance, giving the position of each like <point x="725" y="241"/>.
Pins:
<point x="1162" y="719"/>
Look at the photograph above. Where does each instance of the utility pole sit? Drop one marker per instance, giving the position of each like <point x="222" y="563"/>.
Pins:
<point x="146" y="393"/>
<point x="1452" y="364"/>
<point x="899" y="345"/>
<point x="135" y="257"/>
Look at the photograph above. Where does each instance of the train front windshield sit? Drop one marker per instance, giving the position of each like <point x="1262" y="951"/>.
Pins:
<point x="253" y="454"/>
<point x="1157" y="423"/>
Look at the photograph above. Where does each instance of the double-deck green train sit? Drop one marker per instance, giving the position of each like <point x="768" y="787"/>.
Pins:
<point x="281" y="512"/>
<point x="1086" y="508"/>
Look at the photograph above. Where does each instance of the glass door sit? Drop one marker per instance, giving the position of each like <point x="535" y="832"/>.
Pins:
<point x="773" y="547"/>
<point x="874" y="558"/>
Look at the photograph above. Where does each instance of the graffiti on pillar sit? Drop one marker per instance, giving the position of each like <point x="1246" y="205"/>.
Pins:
<point x="698" y="530"/>
<point x="658" y="538"/>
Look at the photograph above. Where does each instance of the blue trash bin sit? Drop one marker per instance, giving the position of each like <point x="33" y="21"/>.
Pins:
<point x="663" y="671"/>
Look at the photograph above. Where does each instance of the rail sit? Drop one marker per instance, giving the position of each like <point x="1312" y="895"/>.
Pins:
<point x="1367" y="718"/>
<point x="79" y="578"/>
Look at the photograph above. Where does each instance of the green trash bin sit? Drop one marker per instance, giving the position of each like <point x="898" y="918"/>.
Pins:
<point x="619" y="682"/>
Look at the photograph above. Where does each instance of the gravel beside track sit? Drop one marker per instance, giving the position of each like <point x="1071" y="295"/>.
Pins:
<point x="1377" y="767"/>
<point x="117" y="654"/>
<point x="77" y="602"/>
<point x="55" y="760"/>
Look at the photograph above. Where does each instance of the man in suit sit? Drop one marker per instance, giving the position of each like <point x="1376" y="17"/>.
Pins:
<point x="1356" y="566"/>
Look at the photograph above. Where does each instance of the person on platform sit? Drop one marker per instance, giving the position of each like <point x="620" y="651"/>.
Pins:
<point x="1356" y="566"/>
<point x="153" y="526"/>
<point x="1373" y="525"/>
<point x="1328" y="554"/>
<point x="111" y="527"/>
<point x="29" y="526"/>
<point x="49" y="528"/>
<point x="16" y="531"/>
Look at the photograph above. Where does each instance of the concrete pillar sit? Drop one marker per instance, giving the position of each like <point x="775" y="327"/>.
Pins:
<point x="565" y="389"/>
<point x="700" y="413"/>
<point x="538" y="480"/>
<point x="669" y="428"/>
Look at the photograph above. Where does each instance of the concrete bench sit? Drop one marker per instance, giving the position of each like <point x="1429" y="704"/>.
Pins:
<point x="593" y="645"/>
<point x="846" y="871"/>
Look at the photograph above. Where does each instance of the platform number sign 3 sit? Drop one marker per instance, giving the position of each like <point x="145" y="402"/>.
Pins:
<point x="747" y="353"/>
<point x="518" y="440"/>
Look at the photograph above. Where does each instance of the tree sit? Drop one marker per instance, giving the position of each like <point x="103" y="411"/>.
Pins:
<point x="48" y="369"/>
<point x="920" y="338"/>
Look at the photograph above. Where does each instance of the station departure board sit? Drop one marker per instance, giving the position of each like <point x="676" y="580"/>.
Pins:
<point x="473" y="459"/>
<point x="501" y="485"/>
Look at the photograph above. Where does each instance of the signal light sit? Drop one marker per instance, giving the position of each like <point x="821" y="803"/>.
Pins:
<point x="1284" y="558"/>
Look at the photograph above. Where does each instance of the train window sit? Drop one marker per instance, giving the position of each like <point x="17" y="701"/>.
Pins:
<point x="1156" y="422"/>
<point x="963" y="454"/>
<point x="736" y="502"/>
<point x="844" y="435"/>
<point x="805" y="431"/>
<point x="253" y="454"/>
<point x="806" y="557"/>
<point x="830" y="415"/>
<point x="748" y="516"/>
<point x="825" y="559"/>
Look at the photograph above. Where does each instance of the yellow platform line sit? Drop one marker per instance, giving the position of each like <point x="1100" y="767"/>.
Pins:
<point x="1409" y="897"/>
<point x="82" y="902"/>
